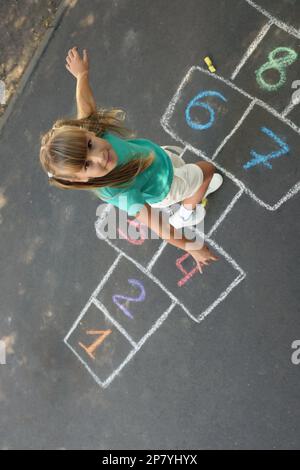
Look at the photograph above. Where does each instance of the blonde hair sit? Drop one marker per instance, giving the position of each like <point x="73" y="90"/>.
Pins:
<point x="65" y="147"/>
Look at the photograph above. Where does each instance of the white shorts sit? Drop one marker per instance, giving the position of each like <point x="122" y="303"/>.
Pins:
<point x="188" y="177"/>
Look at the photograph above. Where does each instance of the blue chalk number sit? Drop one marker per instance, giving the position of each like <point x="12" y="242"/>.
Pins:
<point x="259" y="159"/>
<point x="196" y="102"/>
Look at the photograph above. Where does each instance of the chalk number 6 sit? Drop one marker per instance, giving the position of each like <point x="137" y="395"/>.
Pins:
<point x="197" y="102"/>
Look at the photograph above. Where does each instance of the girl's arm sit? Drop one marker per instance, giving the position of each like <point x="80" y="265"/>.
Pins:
<point x="200" y="252"/>
<point x="79" y="68"/>
<point x="86" y="104"/>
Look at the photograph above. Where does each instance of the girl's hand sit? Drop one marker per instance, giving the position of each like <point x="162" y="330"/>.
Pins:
<point x="202" y="256"/>
<point x="75" y="64"/>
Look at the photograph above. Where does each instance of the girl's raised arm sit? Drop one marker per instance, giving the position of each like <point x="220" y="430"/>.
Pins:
<point x="86" y="104"/>
<point x="79" y="68"/>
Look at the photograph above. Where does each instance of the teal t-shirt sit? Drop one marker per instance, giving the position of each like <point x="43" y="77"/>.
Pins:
<point x="151" y="185"/>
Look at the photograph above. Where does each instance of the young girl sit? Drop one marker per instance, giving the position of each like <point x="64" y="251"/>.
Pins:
<point x="85" y="153"/>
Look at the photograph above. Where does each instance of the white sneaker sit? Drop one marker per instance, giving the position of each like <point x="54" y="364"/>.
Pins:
<point x="195" y="218"/>
<point x="169" y="210"/>
<point x="215" y="183"/>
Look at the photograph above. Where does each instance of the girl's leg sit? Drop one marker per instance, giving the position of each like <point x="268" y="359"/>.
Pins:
<point x="208" y="171"/>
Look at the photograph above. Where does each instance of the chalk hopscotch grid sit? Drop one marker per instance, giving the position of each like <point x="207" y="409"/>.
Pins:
<point x="254" y="101"/>
<point x="272" y="21"/>
<point x="252" y="48"/>
<point x="137" y="264"/>
<point x="226" y="292"/>
<point x="82" y="313"/>
<point x="147" y="271"/>
<point x="281" y="24"/>
<point x="243" y="188"/>
<point x="230" y="260"/>
<point x="255" y="43"/>
<point x="225" y="213"/>
<point x="233" y="131"/>
<point x="174" y="301"/>
<point x="290" y="30"/>
<point x="136" y="346"/>
<point x="111" y="377"/>
<point x="93" y="299"/>
<point x="170" y="108"/>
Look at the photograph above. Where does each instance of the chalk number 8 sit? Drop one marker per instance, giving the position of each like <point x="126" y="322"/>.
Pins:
<point x="279" y="64"/>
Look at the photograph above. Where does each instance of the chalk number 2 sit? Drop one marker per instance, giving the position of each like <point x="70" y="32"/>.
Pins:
<point x="141" y="297"/>
<point x="117" y="298"/>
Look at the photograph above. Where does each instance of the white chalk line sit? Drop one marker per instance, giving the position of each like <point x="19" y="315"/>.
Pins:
<point x="93" y="295"/>
<point x="234" y="129"/>
<point x="100" y="305"/>
<point x="258" y="101"/>
<point x="225" y="212"/>
<point x="95" y="377"/>
<point x="252" y="48"/>
<point x="229" y="259"/>
<point x="221" y="250"/>
<point x="171" y="107"/>
<point x="291" y="193"/>
<point x="222" y="297"/>
<point x="148" y="273"/>
<point x="157" y="325"/>
<point x="156" y="280"/>
<point x="289" y="108"/>
<point x="236" y="266"/>
<point x="203" y="155"/>
<point x="288" y="28"/>
<point x="156" y="255"/>
<point x="106" y="277"/>
<point x="105" y="383"/>
<point x="225" y="293"/>
<point x="138" y="265"/>
<point x="144" y="270"/>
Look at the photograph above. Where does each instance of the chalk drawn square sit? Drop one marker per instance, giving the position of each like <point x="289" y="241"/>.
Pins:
<point x="137" y="240"/>
<point x="203" y="111"/>
<point x="287" y="12"/>
<point x="133" y="299"/>
<point x="190" y="287"/>
<point x="270" y="185"/>
<point x="265" y="76"/>
<point x="103" y="359"/>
